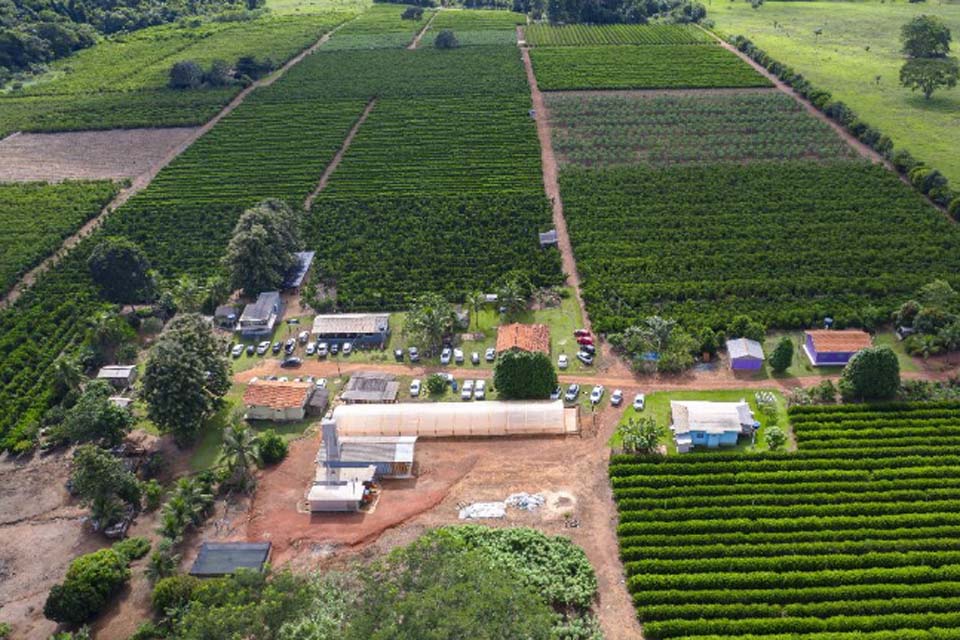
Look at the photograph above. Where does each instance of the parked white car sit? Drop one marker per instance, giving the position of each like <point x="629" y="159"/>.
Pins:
<point x="237" y="350"/>
<point x="458" y="356"/>
<point x="445" y="355"/>
<point x="480" y="390"/>
<point x="321" y="383"/>
<point x="617" y="397"/>
<point x="466" y="392"/>
<point x="347" y="348"/>
<point x="597" y="394"/>
<point x="556" y="393"/>
<point x="415" y="388"/>
<point x="263" y="347"/>
<point x="303" y="337"/>
<point x="311" y="349"/>
<point x="639" y="401"/>
<point x="490" y="354"/>
<point x="563" y="362"/>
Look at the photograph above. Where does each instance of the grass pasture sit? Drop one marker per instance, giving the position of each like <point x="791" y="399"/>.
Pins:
<point x="641" y="67"/>
<point x="857" y="58"/>
<point x="656" y="128"/>
<point x="770" y="240"/>
<point x="577" y="35"/>
<point x="853" y="535"/>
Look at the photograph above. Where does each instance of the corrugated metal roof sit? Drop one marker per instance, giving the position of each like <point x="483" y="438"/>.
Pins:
<point x="744" y="348"/>
<point x="373" y="449"/>
<point x="360" y="323"/>
<point x="296" y="275"/>
<point x="709" y="417"/>
<point x="266" y="304"/>
<point x="371" y="387"/>
<point x="116" y="372"/>
<point x="222" y="558"/>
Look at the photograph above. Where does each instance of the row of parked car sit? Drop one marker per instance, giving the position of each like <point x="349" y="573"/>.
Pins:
<point x="596" y="395"/>
<point x="469" y="391"/>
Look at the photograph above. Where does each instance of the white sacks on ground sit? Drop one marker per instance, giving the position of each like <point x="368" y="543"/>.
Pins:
<point x="526" y="501"/>
<point x="484" y="510"/>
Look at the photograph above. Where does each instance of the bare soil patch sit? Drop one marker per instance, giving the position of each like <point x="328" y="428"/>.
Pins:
<point x="86" y="155"/>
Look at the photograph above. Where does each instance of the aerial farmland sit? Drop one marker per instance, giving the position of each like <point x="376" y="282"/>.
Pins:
<point x="347" y="319"/>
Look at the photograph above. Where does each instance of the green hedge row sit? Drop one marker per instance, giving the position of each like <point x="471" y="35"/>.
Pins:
<point x="776" y="488"/>
<point x="786" y="499"/>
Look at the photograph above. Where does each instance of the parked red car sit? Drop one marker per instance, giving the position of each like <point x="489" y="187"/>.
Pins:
<point x="581" y="333"/>
<point x="585" y="340"/>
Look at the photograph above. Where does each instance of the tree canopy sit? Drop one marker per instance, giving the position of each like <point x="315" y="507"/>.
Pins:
<point x="262" y="247"/>
<point x="925" y="37"/>
<point x="94" y="418"/>
<point x="121" y="270"/>
<point x="929" y="74"/>
<point x="871" y="374"/>
<point x="185" y="377"/>
<point x="926" y="43"/>
<point x="524" y="375"/>
<point x="429" y="321"/>
<point x="782" y="356"/>
<point x="103" y="483"/>
<point x="641" y="434"/>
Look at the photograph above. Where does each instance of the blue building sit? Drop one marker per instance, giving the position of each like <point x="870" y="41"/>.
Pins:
<point x="367" y="329"/>
<point x="745" y="355"/>
<point x="697" y="423"/>
<point x="827" y="348"/>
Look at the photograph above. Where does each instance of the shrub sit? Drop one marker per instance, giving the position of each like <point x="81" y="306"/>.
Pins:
<point x="903" y="161"/>
<point x="172" y="593"/>
<point x="775" y="438"/>
<point x="163" y="561"/>
<point x="185" y="74"/>
<point x="412" y="13"/>
<point x="132" y="548"/>
<point x="871" y="374"/>
<point x="273" y="448"/>
<point x="782" y="356"/>
<point x="91" y="581"/>
<point x="954" y="208"/>
<point x="152" y="495"/>
<point x="446" y="40"/>
<point x="436" y="384"/>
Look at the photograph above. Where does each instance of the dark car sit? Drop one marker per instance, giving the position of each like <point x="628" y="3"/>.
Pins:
<point x="290" y="345"/>
<point x="414" y="354"/>
<point x="334" y="349"/>
<point x="290" y="363"/>
<point x="251" y="349"/>
<point x="588" y="348"/>
<point x="398" y="355"/>
<point x="277" y="346"/>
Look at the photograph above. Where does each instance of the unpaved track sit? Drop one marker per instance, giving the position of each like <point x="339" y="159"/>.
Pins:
<point x="328" y="172"/>
<point x="417" y="38"/>
<point x="142" y="181"/>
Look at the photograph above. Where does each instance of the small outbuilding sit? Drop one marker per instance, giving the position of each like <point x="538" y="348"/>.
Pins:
<point x="370" y="387"/>
<point x="699" y="423"/>
<point x="225" y="316"/>
<point x="526" y="337"/>
<point x="260" y="317"/>
<point x="833" y="348"/>
<point x="217" y="559"/>
<point x="548" y="239"/>
<point x="745" y="355"/>
<point x="120" y="376"/>
<point x="368" y="329"/>
<point x="277" y="400"/>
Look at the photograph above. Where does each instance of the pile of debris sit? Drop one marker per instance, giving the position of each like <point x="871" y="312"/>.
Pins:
<point x="482" y="510"/>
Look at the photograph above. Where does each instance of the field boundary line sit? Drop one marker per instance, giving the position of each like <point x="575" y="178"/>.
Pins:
<point x="338" y="157"/>
<point x="417" y="38"/>
<point x="143" y="180"/>
<point x="858" y="146"/>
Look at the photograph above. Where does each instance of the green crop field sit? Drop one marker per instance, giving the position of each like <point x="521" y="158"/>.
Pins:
<point x="641" y="67"/>
<point x="608" y="129"/>
<point x="541" y="35"/>
<point x="855" y="535"/>
<point x="477" y="26"/>
<point x="36" y="217"/>
<point x="773" y="240"/>
<point x="379" y="27"/>
<point x="856" y="57"/>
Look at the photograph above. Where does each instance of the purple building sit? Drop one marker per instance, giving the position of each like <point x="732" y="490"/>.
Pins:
<point x="826" y="348"/>
<point x="745" y="355"/>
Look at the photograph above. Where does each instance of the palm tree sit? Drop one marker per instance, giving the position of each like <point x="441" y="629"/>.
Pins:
<point x="510" y="298"/>
<point x="476" y="299"/>
<point x="67" y="373"/>
<point x="239" y="453"/>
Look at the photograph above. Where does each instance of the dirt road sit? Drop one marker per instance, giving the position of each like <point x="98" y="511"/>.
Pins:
<point x="143" y="180"/>
<point x="417" y="38"/>
<point x="328" y="172"/>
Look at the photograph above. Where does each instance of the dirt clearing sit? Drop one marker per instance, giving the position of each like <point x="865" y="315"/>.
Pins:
<point x="86" y="155"/>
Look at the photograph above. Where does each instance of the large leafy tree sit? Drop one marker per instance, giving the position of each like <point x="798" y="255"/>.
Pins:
<point x="929" y="74"/>
<point x="782" y="356"/>
<point x="185" y="377"/>
<point x="925" y="37"/>
<point x="437" y="589"/>
<point x="524" y="375"/>
<point x="94" y="418"/>
<point x="261" y="250"/>
<point x="121" y="270"/>
<point x="871" y="374"/>
<point x="430" y="320"/>
<point x="103" y="483"/>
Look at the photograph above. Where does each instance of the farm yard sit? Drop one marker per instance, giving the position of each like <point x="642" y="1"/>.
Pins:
<point x="603" y="129"/>
<point x="854" y="533"/>
<point x="561" y="212"/>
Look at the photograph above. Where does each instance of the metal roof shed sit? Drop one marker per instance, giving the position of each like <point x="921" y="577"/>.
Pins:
<point x="223" y="558"/>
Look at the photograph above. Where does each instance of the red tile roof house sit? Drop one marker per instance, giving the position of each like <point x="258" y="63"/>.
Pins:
<point x="526" y="337"/>
<point x="277" y="400"/>
<point x="826" y="348"/>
